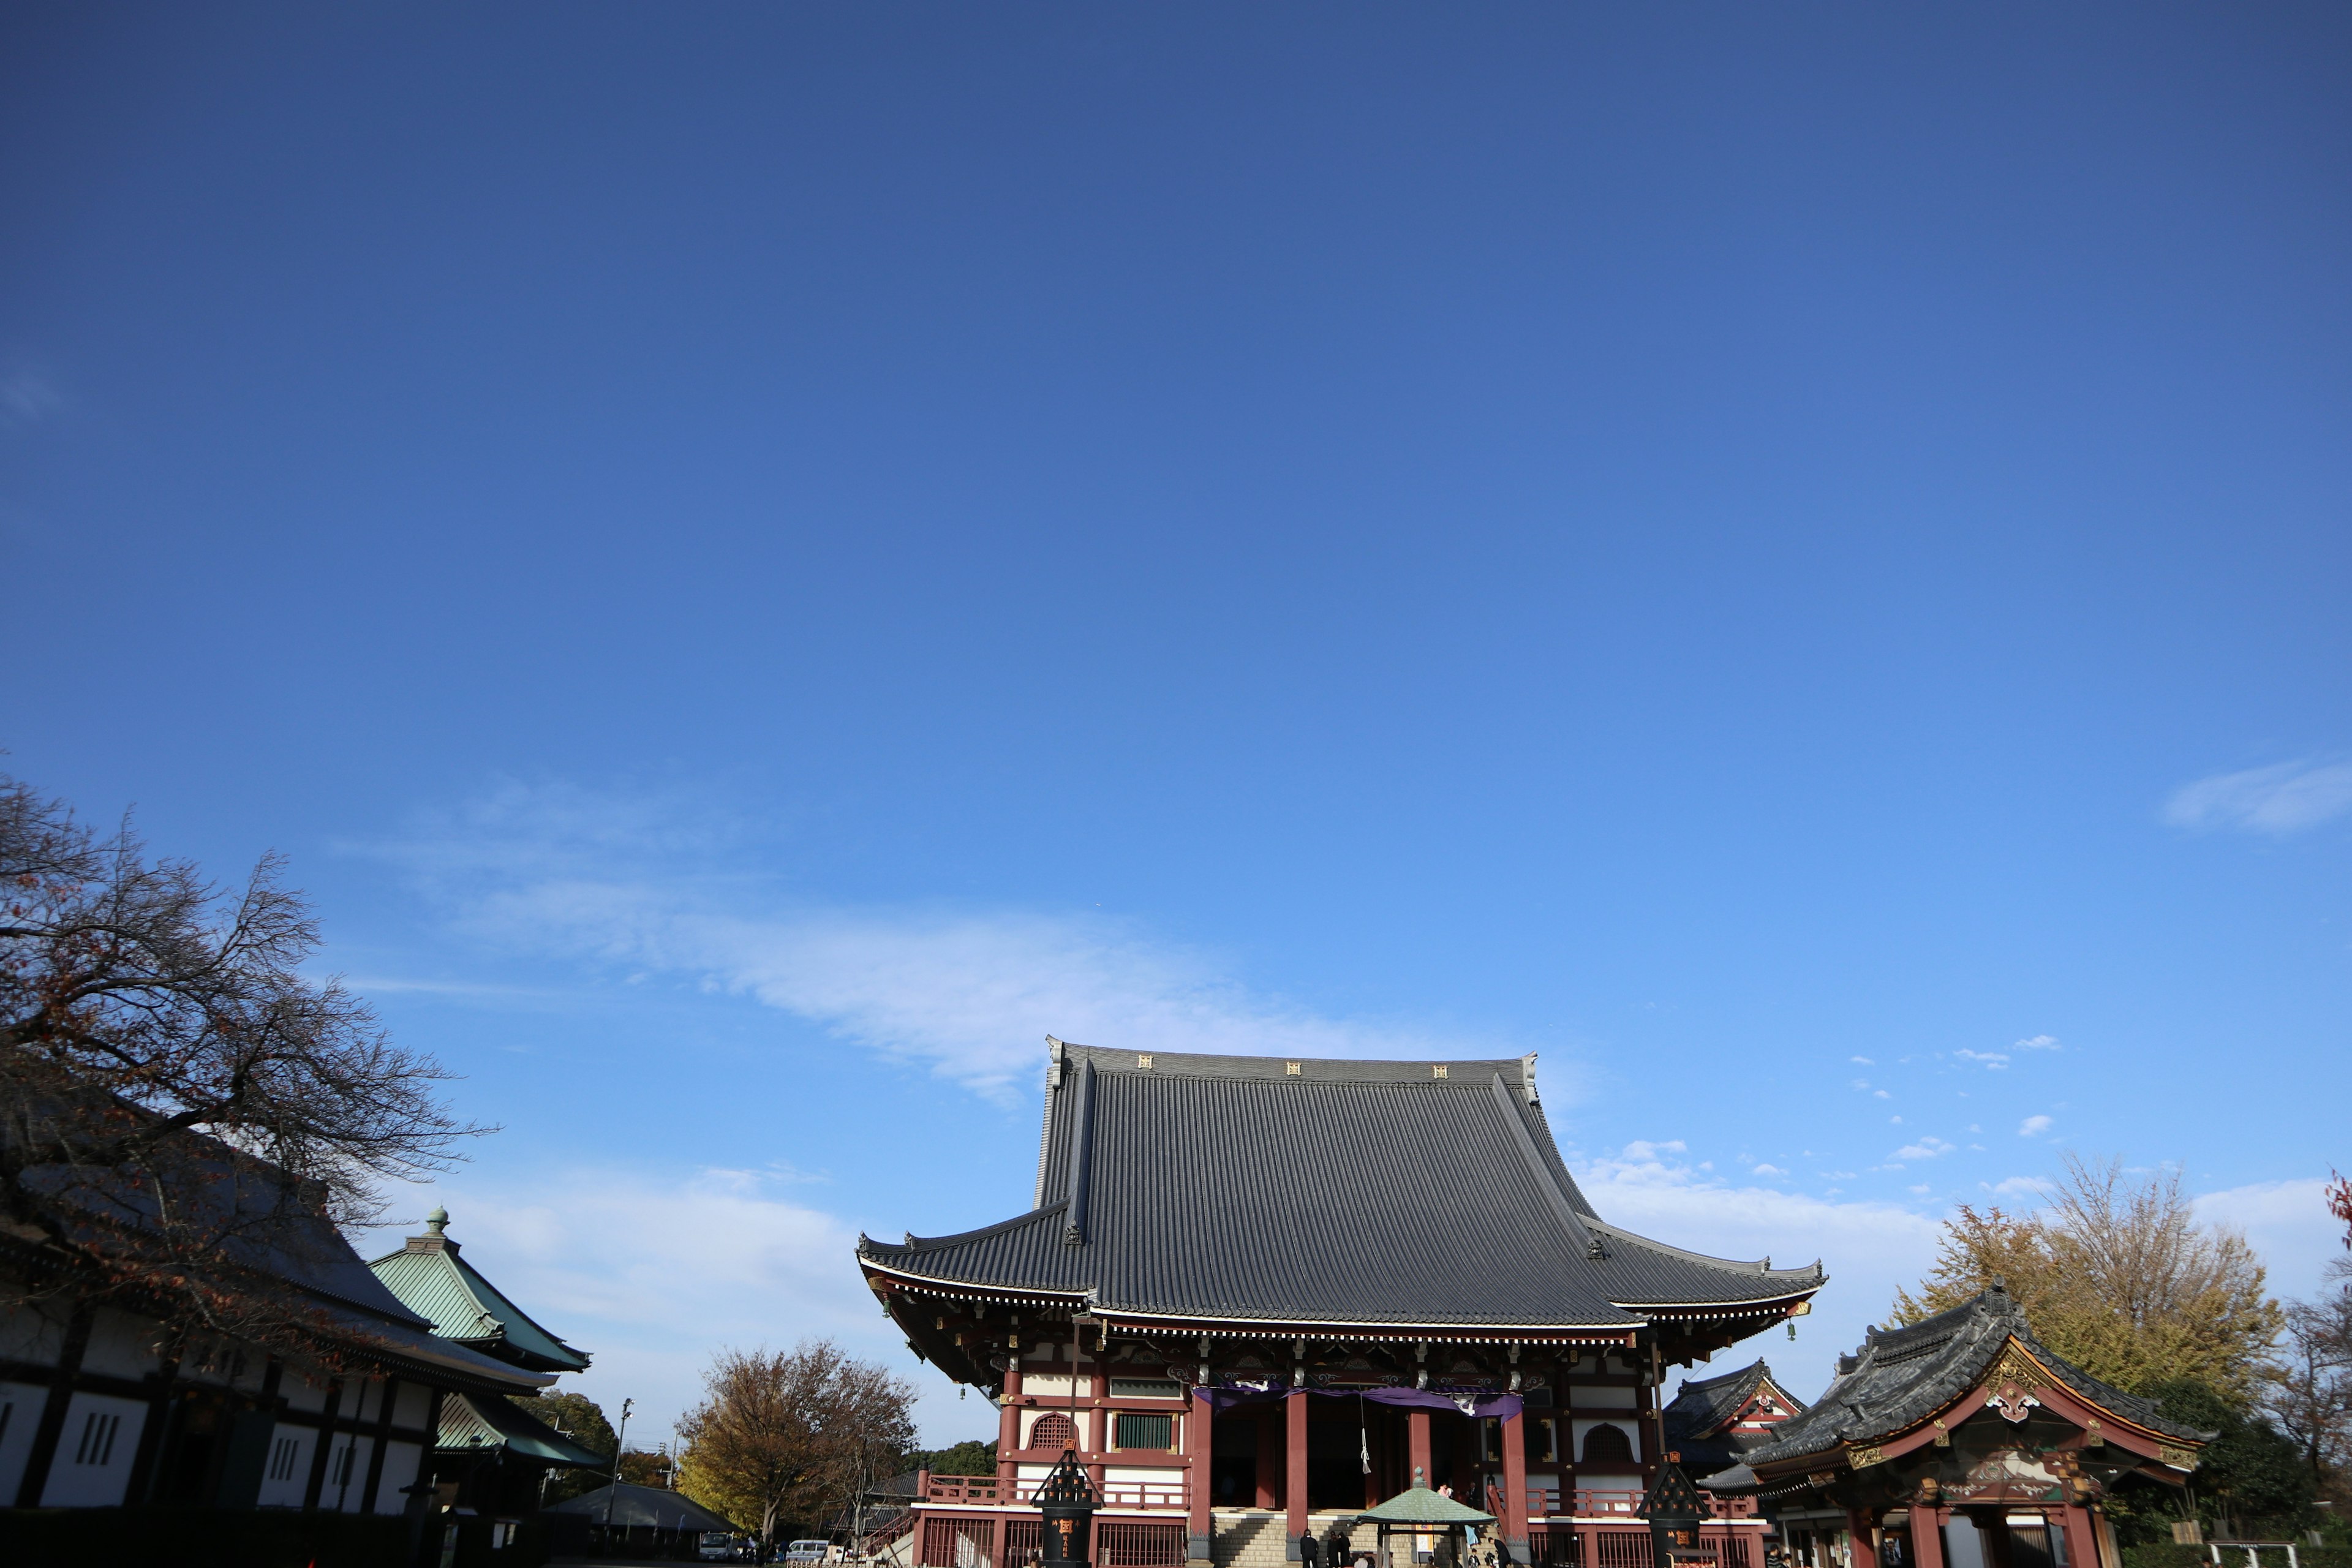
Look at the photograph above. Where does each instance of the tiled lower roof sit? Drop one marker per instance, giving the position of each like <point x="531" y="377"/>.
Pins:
<point x="1901" y="1377"/>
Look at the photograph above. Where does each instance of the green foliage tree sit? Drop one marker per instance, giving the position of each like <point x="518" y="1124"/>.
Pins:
<point x="2117" y="1276"/>
<point x="2250" y="1478"/>
<point x="970" y="1457"/>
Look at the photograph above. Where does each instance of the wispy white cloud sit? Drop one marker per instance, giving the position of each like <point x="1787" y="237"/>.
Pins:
<point x="1869" y="1247"/>
<point x="1926" y="1149"/>
<point x="1766" y="1171"/>
<point x="2290" y="1226"/>
<point x="2278" y="800"/>
<point x="652" y="1273"/>
<point x="2017" y="1187"/>
<point x="2038" y="1042"/>
<point x="2033" y="1127"/>
<point x="643" y="885"/>
<point x="1864" y="1061"/>
<point x="1993" y="1061"/>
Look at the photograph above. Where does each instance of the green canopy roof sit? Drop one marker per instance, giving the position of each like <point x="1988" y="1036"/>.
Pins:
<point x="432" y="1280"/>
<point x="1419" y="1505"/>
<point x="473" y="1421"/>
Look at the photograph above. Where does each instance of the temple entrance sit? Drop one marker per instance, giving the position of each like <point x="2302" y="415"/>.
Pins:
<point x="1233" y="1461"/>
<point x="1335" y="1471"/>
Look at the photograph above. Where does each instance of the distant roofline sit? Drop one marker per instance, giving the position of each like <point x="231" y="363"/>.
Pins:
<point x="1518" y="1070"/>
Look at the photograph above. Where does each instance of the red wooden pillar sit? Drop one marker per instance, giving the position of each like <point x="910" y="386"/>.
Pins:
<point x="1927" y="1537"/>
<point x="1515" y="1488"/>
<point x="1416" y="1422"/>
<point x="1008" y="1428"/>
<point x="2082" y="1545"/>
<point x="1200" y="1441"/>
<point x="1859" y="1523"/>
<point x="1294" y="1477"/>
<point x="1269" y="1446"/>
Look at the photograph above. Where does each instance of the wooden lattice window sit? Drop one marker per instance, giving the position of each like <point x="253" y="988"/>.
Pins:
<point x="1607" y="1444"/>
<point x="1053" y="1431"/>
<point x="1144" y="1431"/>
<point x="1024" y="1540"/>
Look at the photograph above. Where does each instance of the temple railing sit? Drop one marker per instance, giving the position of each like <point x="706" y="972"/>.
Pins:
<point x="987" y="1491"/>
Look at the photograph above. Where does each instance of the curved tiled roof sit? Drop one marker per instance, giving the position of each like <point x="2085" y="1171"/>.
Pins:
<point x="488" y="1422"/>
<point x="430" y="1279"/>
<point x="1900" y="1377"/>
<point x="1297" y="1190"/>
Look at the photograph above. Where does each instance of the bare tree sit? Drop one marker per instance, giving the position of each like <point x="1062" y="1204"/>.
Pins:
<point x="182" y="1113"/>
<point x="2117" y="1276"/>
<point x="790" y="1435"/>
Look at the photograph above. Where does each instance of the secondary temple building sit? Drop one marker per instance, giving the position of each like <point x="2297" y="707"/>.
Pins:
<point x="1960" y="1440"/>
<point x="1252" y="1289"/>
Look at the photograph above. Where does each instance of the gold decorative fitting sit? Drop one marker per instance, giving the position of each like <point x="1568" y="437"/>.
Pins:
<point x="1437" y="1069"/>
<point x="2016" y="1366"/>
<point x="1143" y="1061"/>
<point x="2092" y="1436"/>
<point x="1291" y="1069"/>
<point x="2179" y="1459"/>
<point x="1943" y="1434"/>
<point x="1821" y="1478"/>
<point x="1862" y="1458"/>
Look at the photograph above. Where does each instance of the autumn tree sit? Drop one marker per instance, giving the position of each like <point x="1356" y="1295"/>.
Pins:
<point x="184" y="1114"/>
<point x="790" y="1436"/>
<point x="2116" y="1275"/>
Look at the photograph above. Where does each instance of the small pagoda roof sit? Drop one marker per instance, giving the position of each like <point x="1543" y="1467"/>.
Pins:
<point x="1697" y="1423"/>
<point x="430" y="1279"/>
<point x="1901" y="1377"/>
<point x="1192" y="1188"/>
<point x="473" y="1423"/>
<point x="1419" y="1505"/>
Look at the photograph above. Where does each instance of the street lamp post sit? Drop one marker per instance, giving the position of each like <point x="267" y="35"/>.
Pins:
<point x="620" y="1441"/>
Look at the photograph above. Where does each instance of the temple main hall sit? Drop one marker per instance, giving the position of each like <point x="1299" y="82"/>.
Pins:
<point x="1256" y="1295"/>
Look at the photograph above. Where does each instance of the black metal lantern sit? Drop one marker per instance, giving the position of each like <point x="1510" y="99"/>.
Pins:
<point x="1674" y="1509"/>
<point x="1068" y="1500"/>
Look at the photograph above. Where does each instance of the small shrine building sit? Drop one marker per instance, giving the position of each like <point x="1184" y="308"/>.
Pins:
<point x="1959" y="1442"/>
<point x="1254" y="1290"/>
<point x="491" y="1457"/>
<point x="1712" y="1419"/>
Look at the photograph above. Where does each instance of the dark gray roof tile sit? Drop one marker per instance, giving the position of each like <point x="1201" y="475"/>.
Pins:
<point x="1238" y="1188"/>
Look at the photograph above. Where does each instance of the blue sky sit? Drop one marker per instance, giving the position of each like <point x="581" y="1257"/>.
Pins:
<point x="761" y="559"/>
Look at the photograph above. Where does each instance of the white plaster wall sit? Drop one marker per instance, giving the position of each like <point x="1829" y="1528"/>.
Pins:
<point x="400" y="1461"/>
<point x="286" y="1471"/>
<point x="1054" y="1385"/>
<point x="35" y="1333"/>
<point x="1602" y="1396"/>
<point x="121" y="1345"/>
<point x="302" y="1393"/>
<point x="409" y="1405"/>
<point x="348" y="1458"/>
<point x="20" y="1411"/>
<point x="81" y="1477"/>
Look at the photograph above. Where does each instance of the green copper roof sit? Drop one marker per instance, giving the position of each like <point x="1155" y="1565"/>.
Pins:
<point x="478" y="1421"/>
<point x="1419" y="1505"/>
<point x="433" y="1282"/>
